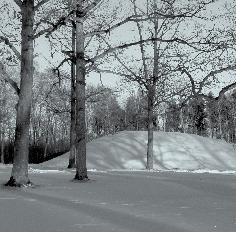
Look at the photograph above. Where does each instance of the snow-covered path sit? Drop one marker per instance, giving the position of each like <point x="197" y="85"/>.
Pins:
<point x="121" y="201"/>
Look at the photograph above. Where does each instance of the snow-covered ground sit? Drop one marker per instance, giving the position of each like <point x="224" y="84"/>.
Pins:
<point x="129" y="200"/>
<point x="121" y="202"/>
<point x="172" y="151"/>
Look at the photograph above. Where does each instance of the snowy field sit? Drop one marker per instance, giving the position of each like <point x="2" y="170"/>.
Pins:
<point x="129" y="200"/>
<point x="121" y="202"/>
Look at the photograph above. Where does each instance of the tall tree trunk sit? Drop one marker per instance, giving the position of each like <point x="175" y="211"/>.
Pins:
<point x="81" y="169"/>
<point x="73" y="107"/>
<point x="19" y="175"/>
<point x="151" y="95"/>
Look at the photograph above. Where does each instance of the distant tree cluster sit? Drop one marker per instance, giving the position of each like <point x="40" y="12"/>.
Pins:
<point x="49" y="133"/>
<point x="205" y="117"/>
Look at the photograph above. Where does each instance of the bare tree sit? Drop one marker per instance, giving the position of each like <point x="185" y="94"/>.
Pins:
<point x="156" y="72"/>
<point x="29" y="32"/>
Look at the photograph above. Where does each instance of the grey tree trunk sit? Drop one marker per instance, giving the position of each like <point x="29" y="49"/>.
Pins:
<point x="81" y="168"/>
<point x="19" y="175"/>
<point x="149" y="164"/>
<point x="151" y="95"/>
<point x="73" y="108"/>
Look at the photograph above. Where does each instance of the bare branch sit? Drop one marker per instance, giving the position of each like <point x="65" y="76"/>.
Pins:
<point x="201" y="85"/>
<point x="191" y="80"/>
<point x="11" y="46"/>
<point x="62" y="63"/>
<point x="132" y="18"/>
<point x="221" y="93"/>
<point x="18" y="3"/>
<point x="111" y="72"/>
<point x="213" y="73"/>
<point x="139" y="18"/>
<point x="4" y="75"/>
<point x="51" y="89"/>
<point x="120" y="61"/>
<point x="174" y="40"/>
<point x="92" y="6"/>
<point x="40" y="4"/>
<point x="226" y="89"/>
<point x="54" y="26"/>
<point x="57" y="69"/>
<point x="90" y="94"/>
<point x="187" y="14"/>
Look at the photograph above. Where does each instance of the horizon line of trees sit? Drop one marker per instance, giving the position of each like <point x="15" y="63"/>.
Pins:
<point x="105" y="115"/>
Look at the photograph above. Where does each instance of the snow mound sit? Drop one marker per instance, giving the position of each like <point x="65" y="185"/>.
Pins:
<point x="172" y="151"/>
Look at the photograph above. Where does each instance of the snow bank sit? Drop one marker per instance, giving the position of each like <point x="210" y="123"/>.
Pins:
<point x="172" y="151"/>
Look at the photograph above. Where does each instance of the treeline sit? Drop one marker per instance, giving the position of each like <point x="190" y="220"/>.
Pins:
<point x="105" y="114"/>
<point x="212" y="118"/>
<point x="49" y="129"/>
<point x="203" y="116"/>
<point x="49" y="133"/>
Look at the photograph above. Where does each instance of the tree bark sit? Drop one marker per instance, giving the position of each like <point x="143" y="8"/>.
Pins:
<point x="2" y="145"/>
<point x="19" y="175"/>
<point x="81" y="169"/>
<point x="151" y="95"/>
<point x="73" y="107"/>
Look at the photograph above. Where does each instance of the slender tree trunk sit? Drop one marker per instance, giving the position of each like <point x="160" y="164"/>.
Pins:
<point x="73" y="108"/>
<point x="2" y="145"/>
<point x="151" y="95"/>
<point x="150" y="98"/>
<point x="46" y="140"/>
<point x="81" y="169"/>
<point x="19" y="175"/>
